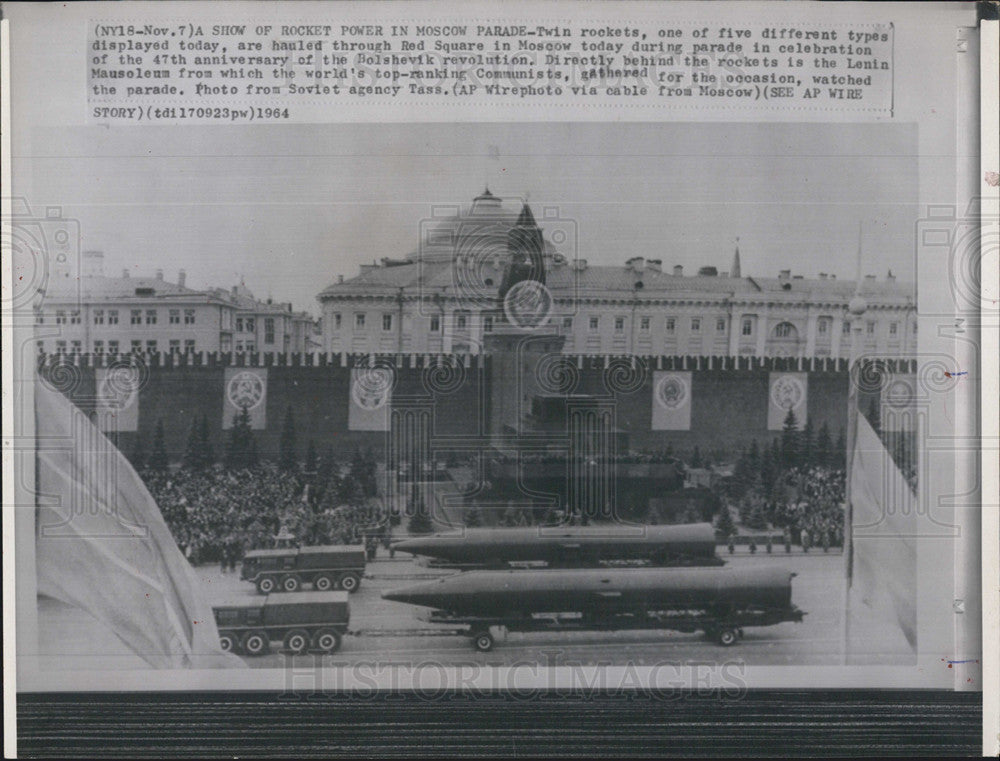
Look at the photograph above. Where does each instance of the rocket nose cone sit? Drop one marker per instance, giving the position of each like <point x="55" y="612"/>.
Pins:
<point x="396" y="595"/>
<point x="410" y="545"/>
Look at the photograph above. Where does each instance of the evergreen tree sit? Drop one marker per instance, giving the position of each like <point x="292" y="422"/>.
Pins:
<point x="724" y="523"/>
<point x="311" y="461"/>
<point x="807" y="445"/>
<point x="327" y="465"/>
<point x="286" y="450"/>
<point x="205" y="440"/>
<point x="138" y="456"/>
<point x="768" y="470"/>
<point x="420" y="520"/>
<point x="790" y="441"/>
<point x="252" y="453"/>
<point x="192" y="452"/>
<point x="824" y="447"/>
<point x="158" y="460"/>
<point x="241" y="451"/>
<point x="696" y="461"/>
<point x="839" y="458"/>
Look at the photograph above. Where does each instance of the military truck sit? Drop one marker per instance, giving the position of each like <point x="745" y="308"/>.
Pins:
<point x="303" y="621"/>
<point x="286" y="570"/>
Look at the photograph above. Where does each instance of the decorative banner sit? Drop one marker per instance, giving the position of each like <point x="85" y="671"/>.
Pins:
<point x="371" y="391"/>
<point x="245" y="387"/>
<point x="118" y="398"/>
<point x="671" y="401"/>
<point x="787" y="392"/>
<point x="898" y="405"/>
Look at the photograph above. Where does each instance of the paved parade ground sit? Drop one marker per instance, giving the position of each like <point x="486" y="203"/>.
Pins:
<point x="391" y="632"/>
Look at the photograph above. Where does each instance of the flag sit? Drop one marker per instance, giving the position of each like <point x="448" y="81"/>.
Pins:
<point x="371" y="393"/>
<point x="671" y="401"/>
<point x="245" y="387"/>
<point x="883" y="530"/>
<point x="118" y="398"/>
<point x="103" y="547"/>
<point x="787" y="391"/>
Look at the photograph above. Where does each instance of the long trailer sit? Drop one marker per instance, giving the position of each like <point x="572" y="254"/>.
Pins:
<point x="718" y="601"/>
<point x="568" y="547"/>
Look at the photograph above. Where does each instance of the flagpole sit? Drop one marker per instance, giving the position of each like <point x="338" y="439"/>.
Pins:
<point x="856" y="308"/>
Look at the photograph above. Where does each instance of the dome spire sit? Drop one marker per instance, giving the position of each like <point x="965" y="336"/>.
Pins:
<point x="734" y="271"/>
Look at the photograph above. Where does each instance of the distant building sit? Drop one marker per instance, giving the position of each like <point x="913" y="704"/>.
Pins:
<point x="118" y="315"/>
<point x="441" y="298"/>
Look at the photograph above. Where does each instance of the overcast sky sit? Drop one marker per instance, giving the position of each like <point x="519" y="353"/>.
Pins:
<point x="288" y="208"/>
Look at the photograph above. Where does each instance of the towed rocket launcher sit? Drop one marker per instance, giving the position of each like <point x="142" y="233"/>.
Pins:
<point x="718" y="601"/>
<point x="578" y="546"/>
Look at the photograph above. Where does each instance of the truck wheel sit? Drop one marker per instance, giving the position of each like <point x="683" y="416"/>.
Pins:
<point x="266" y="585"/>
<point x="297" y="641"/>
<point x="350" y="582"/>
<point x="326" y="640"/>
<point x="323" y="583"/>
<point x="291" y="583"/>
<point x="228" y="642"/>
<point x="482" y="641"/>
<point x="728" y="636"/>
<point x="256" y="643"/>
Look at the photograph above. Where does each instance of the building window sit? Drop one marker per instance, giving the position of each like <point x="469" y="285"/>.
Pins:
<point x="893" y="328"/>
<point x="747" y="328"/>
<point x="189" y="317"/>
<point x="269" y="330"/>
<point x="74" y="317"/>
<point x="846" y="328"/>
<point x="60" y="347"/>
<point x="251" y="325"/>
<point x="189" y="345"/>
<point x="720" y="325"/>
<point x="136" y="347"/>
<point x="151" y="346"/>
<point x="150" y="316"/>
<point x="137" y="317"/>
<point x="783" y="330"/>
<point x="870" y="327"/>
<point x="39" y="318"/>
<point x="251" y="346"/>
<point x="359" y="321"/>
<point x="112" y="347"/>
<point x="239" y="324"/>
<point x="914" y="328"/>
<point x="595" y="323"/>
<point x="823" y="326"/>
<point x="60" y="317"/>
<point x="387" y="322"/>
<point x="435" y="323"/>
<point x="488" y="324"/>
<point x="644" y="324"/>
<point x="175" y="345"/>
<point x="568" y="323"/>
<point x="175" y="317"/>
<point x="619" y="324"/>
<point x="225" y="343"/>
<point x="41" y="346"/>
<point x="239" y="346"/>
<point x="112" y="317"/>
<point x="336" y="321"/>
<point x="695" y="324"/>
<point x="671" y="325"/>
<point x="77" y="347"/>
<point x="98" y="316"/>
<point x="461" y="322"/>
<point x="98" y="347"/>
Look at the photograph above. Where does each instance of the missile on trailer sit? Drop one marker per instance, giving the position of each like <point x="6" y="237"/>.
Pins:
<point x="687" y="544"/>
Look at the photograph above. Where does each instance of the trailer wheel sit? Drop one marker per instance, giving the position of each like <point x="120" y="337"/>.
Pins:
<point x="326" y="640"/>
<point x="350" y="582"/>
<point x="266" y="585"/>
<point x="323" y="583"/>
<point x="228" y="642"/>
<point x="482" y="641"/>
<point x="291" y="583"/>
<point x="296" y="641"/>
<point x="256" y="643"/>
<point x="728" y="636"/>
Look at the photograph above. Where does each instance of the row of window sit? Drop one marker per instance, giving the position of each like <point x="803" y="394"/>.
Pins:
<point x="782" y="330"/>
<point x="110" y="317"/>
<point x="114" y="347"/>
<point x="249" y="325"/>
